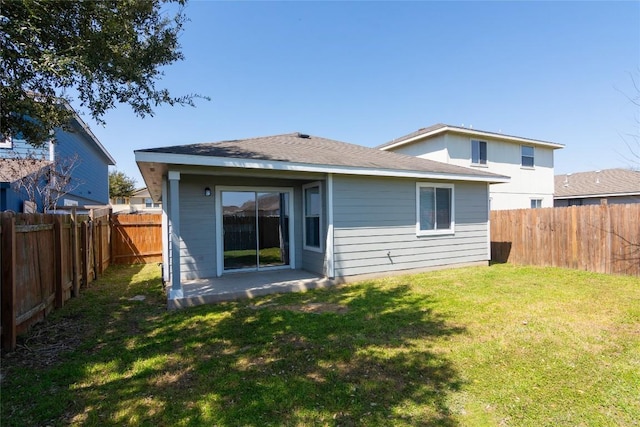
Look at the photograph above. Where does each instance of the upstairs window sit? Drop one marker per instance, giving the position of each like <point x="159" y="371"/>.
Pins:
<point x="527" y="154"/>
<point x="478" y="152"/>
<point x="435" y="209"/>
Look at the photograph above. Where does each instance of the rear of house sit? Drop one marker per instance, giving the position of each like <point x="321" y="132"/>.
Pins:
<point x="528" y="162"/>
<point x="301" y="202"/>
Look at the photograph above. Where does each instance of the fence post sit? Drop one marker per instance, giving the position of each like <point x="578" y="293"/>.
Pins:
<point x="75" y="261"/>
<point x="8" y="281"/>
<point x="84" y="243"/>
<point x="57" y="247"/>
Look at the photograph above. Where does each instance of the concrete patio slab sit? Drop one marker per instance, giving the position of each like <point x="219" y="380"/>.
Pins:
<point x="236" y="286"/>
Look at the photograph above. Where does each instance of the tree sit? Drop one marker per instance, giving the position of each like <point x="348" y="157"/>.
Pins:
<point x="108" y="52"/>
<point x="42" y="181"/>
<point x="120" y="185"/>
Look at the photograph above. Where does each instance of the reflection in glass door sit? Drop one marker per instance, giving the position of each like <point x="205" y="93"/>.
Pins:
<point x="255" y="227"/>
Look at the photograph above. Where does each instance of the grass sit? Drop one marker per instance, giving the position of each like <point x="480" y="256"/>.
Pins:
<point x="247" y="257"/>
<point x="481" y="346"/>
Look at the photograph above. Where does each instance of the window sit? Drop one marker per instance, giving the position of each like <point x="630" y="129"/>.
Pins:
<point x="575" y="202"/>
<point x="536" y="203"/>
<point x="312" y="217"/>
<point x="6" y="143"/>
<point x="148" y="203"/>
<point x="435" y="209"/>
<point x="478" y="152"/>
<point x="527" y="156"/>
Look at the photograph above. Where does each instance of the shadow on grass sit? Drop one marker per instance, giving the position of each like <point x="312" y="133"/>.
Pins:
<point x="265" y="362"/>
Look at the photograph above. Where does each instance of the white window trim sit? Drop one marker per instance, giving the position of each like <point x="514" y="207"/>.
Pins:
<point x="535" y="199"/>
<point x="437" y="232"/>
<point x="6" y="143"/>
<point x="320" y="248"/>
<point x="522" y="155"/>
<point x="485" y="164"/>
<point x="219" y="231"/>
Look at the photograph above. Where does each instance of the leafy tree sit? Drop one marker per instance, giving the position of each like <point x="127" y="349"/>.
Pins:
<point x="120" y="185"/>
<point x="108" y="52"/>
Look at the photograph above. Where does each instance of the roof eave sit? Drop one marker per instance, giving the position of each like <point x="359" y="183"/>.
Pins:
<point x="588" y="196"/>
<point x="194" y="160"/>
<point x="472" y="132"/>
<point x="90" y="134"/>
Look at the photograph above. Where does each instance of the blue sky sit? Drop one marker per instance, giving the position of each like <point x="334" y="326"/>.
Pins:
<point x="368" y="72"/>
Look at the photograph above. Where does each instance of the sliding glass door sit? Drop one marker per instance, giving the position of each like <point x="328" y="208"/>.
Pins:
<point x="255" y="228"/>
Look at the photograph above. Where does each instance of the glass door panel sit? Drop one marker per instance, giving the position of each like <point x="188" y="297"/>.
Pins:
<point x="273" y="228"/>
<point x="255" y="229"/>
<point x="239" y="229"/>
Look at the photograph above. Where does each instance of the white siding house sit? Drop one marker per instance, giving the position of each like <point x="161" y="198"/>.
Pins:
<point x="301" y="202"/>
<point x="528" y="162"/>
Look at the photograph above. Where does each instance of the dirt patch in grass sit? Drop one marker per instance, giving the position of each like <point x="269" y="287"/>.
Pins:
<point x="45" y="343"/>
<point x="316" y="308"/>
<point x="310" y="307"/>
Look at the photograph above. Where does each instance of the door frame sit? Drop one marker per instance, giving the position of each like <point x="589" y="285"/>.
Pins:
<point x="220" y="232"/>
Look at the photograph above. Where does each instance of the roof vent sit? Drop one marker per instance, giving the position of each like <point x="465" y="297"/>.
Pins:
<point x="303" y="135"/>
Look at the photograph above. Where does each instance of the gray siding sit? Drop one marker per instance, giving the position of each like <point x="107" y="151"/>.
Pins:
<point x="197" y="229"/>
<point x="198" y="221"/>
<point x="558" y="203"/>
<point x="374" y="227"/>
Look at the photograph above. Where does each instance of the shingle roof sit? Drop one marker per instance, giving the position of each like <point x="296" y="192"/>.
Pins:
<point x="441" y="127"/>
<point x="604" y="182"/>
<point x="305" y="149"/>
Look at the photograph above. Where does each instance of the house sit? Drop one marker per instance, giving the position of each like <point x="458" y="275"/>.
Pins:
<point x="296" y="201"/>
<point x="78" y="147"/>
<point x="611" y="186"/>
<point x="139" y="202"/>
<point x="529" y="162"/>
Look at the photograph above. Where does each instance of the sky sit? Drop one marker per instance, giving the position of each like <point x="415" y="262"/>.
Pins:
<point x="367" y="72"/>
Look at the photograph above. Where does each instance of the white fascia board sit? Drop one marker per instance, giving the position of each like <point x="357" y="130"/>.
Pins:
<point x="192" y="160"/>
<point x="589" y="196"/>
<point x="477" y="134"/>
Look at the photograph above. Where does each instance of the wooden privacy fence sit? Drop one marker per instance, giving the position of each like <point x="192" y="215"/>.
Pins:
<point x="601" y="238"/>
<point x="46" y="259"/>
<point x="136" y="239"/>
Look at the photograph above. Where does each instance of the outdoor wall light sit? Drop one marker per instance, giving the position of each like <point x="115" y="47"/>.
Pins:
<point x="207" y="192"/>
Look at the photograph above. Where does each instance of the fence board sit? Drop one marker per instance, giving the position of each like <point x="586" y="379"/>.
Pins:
<point x="136" y="239"/>
<point x="600" y="238"/>
<point x="40" y="260"/>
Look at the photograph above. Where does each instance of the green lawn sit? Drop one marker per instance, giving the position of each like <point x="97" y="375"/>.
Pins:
<point x="491" y="346"/>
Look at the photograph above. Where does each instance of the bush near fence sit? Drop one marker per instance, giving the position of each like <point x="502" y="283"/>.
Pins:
<point x="46" y="259"/>
<point x="600" y="238"/>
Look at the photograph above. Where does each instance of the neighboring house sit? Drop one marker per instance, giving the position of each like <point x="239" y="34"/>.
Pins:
<point x="340" y="210"/>
<point x="89" y="178"/>
<point x="139" y="202"/>
<point x="592" y="188"/>
<point x="529" y="162"/>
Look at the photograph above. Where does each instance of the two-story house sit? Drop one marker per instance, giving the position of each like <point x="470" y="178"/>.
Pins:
<point x="89" y="172"/>
<point x="529" y="162"/>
